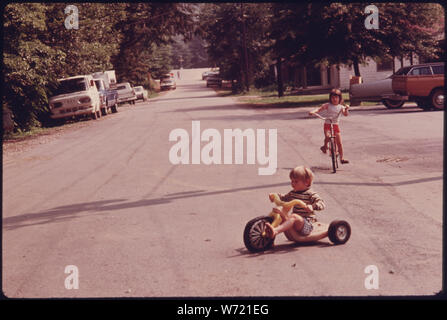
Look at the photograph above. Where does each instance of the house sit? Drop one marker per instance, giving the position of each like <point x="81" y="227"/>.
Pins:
<point x="320" y="79"/>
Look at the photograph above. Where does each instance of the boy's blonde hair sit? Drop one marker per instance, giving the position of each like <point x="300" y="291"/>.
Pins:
<point x="302" y="173"/>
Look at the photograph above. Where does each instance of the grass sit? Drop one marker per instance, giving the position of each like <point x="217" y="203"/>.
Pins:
<point x="48" y="129"/>
<point x="269" y="98"/>
<point x="153" y="94"/>
<point x="21" y="135"/>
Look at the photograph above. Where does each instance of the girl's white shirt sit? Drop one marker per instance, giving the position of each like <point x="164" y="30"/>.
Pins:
<point x="332" y="113"/>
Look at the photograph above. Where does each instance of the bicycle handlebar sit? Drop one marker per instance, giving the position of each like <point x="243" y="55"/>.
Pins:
<point x="274" y="197"/>
<point x="323" y="118"/>
<point x="319" y="116"/>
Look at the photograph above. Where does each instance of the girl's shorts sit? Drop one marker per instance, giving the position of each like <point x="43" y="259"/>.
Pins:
<point x="327" y="127"/>
<point x="307" y="228"/>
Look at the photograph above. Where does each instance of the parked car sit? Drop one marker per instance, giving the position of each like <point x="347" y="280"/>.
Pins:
<point x="214" y="80"/>
<point x="167" y="76"/>
<point x="75" y="96"/>
<point x="126" y="93"/>
<point x="422" y="83"/>
<point x="141" y="93"/>
<point x="378" y="91"/>
<point x="108" y="97"/>
<point x="207" y="74"/>
<point x="167" y="84"/>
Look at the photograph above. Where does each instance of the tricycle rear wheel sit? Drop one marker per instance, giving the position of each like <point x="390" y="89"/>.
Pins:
<point x="339" y="232"/>
<point x="255" y="239"/>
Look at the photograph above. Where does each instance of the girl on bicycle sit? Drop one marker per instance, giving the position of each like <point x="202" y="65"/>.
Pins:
<point x="333" y="109"/>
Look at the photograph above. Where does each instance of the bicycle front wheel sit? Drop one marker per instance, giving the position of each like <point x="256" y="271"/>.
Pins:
<point x="334" y="156"/>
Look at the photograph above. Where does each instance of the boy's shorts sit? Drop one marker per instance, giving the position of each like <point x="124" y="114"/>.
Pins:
<point x="307" y="228"/>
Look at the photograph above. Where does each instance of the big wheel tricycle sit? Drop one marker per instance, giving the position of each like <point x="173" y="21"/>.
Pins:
<point x="257" y="240"/>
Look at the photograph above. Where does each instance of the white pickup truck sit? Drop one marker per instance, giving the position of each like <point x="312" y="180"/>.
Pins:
<point x="76" y="96"/>
<point x="126" y="93"/>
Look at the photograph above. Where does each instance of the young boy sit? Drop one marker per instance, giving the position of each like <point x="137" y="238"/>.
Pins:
<point x="301" y="219"/>
<point x="333" y="109"/>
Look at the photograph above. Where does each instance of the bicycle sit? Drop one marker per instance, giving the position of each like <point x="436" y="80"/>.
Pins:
<point x="332" y="144"/>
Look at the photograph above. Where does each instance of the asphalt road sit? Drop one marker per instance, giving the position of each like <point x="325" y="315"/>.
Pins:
<point x="106" y="199"/>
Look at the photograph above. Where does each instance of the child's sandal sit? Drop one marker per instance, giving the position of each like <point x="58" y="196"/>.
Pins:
<point x="269" y="231"/>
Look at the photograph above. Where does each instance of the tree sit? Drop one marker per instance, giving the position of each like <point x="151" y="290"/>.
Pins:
<point x="189" y="54"/>
<point x="145" y="25"/>
<point x="412" y="28"/>
<point x="30" y="66"/>
<point x="222" y="27"/>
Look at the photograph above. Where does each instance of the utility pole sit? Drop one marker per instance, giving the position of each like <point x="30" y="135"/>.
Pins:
<point x="244" y="49"/>
<point x="181" y="61"/>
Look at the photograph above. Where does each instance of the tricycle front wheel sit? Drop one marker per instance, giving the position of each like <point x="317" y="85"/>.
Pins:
<point x="255" y="238"/>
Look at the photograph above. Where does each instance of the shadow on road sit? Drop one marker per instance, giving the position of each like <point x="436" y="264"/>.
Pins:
<point x="280" y="249"/>
<point x="67" y="212"/>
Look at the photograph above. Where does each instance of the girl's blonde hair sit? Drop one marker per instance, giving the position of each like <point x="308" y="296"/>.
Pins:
<point x="302" y="173"/>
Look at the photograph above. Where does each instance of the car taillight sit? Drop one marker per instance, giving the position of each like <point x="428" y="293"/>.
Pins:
<point x="84" y="100"/>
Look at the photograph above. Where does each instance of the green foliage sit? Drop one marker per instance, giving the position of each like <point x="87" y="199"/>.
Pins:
<point x="28" y="64"/>
<point x="132" y="38"/>
<point x="313" y="33"/>
<point x="147" y="30"/>
<point x="137" y="38"/>
<point x="222" y="27"/>
<point x="189" y="54"/>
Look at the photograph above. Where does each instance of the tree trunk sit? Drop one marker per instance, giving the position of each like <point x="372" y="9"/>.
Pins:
<point x="279" y="78"/>
<point x="356" y="67"/>
<point x="304" y="73"/>
<point x="244" y="48"/>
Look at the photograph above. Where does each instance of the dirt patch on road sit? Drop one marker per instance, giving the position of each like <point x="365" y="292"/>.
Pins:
<point x="393" y="159"/>
<point x="13" y="146"/>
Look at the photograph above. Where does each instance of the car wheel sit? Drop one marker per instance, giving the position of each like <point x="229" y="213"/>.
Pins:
<point x="437" y="99"/>
<point x="393" y="104"/>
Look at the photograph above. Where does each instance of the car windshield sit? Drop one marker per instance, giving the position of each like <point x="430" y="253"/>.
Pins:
<point x="138" y="89"/>
<point x="70" y="86"/>
<point x="99" y="84"/>
<point x="120" y="87"/>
